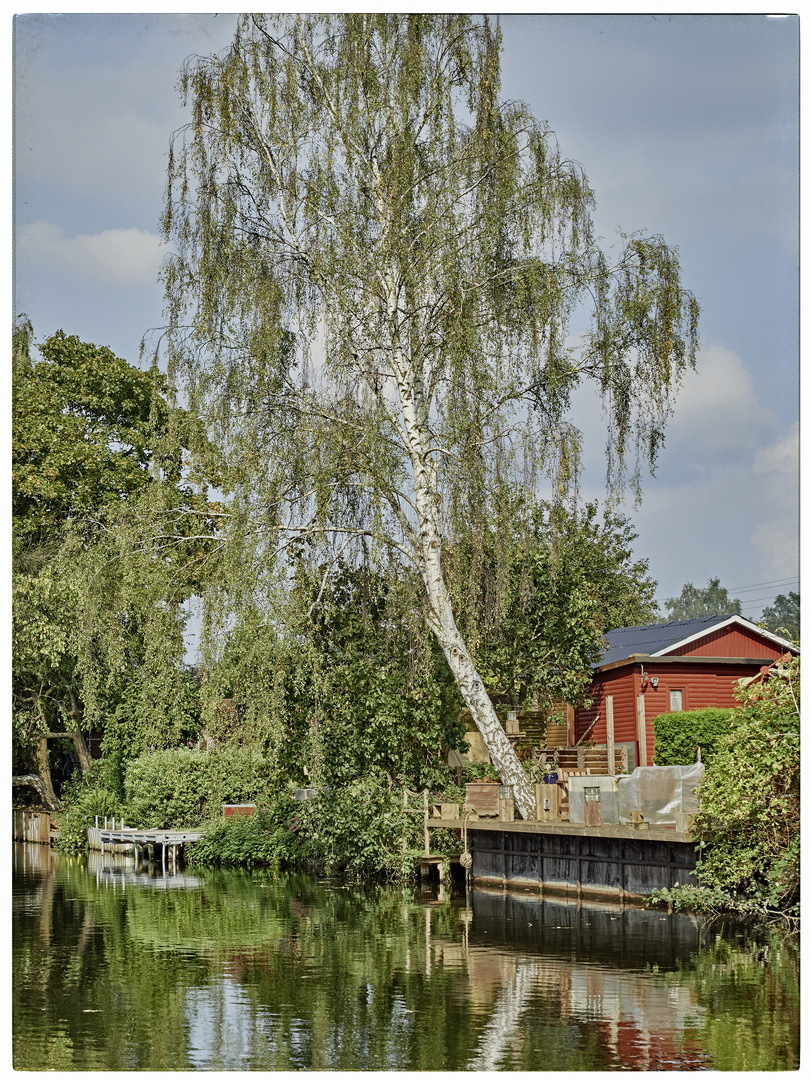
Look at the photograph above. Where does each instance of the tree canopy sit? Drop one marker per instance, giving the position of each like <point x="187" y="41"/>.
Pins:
<point x="109" y="536"/>
<point x="377" y="266"/>
<point x="783" y="617"/>
<point x="694" y="602"/>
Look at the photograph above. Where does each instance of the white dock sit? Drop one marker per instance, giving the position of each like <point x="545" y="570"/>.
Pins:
<point x="144" y="842"/>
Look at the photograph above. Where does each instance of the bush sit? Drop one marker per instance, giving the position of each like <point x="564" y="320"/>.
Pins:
<point x="750" y="806"/>
<point x="677" y="735"/>
<point x="182" y="788"/>
<point x="360" y="828"/>
<point x="85" y="797"/>
<point x="266" y="837"/>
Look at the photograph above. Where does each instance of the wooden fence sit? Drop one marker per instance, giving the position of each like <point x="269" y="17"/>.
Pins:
<point x="32" y="826"/>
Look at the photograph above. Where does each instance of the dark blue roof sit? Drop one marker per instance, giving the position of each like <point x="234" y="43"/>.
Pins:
<point x="648" y="640"/>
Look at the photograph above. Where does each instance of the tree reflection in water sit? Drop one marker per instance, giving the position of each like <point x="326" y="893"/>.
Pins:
<point x="116" y="969"/>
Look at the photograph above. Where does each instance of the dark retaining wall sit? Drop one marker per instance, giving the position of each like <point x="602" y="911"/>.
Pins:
<point x="597" y="866"/>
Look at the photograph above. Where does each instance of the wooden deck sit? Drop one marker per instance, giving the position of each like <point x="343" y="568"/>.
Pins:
<point x="145" y="842"/>
<point x="565" y="828"/>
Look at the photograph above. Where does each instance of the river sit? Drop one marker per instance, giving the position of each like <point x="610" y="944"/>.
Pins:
<point x="258" y="970"/>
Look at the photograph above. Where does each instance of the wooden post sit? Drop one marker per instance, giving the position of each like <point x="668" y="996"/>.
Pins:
<point x="427" y="834"/>
<point x="611" y="749"/>
<point x="641" y="725"/>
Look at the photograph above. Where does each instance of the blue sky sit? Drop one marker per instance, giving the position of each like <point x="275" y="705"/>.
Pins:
<point x="686" y="125"/>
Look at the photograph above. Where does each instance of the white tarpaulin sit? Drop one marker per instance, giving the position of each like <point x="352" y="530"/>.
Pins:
<point x="659" y="792"/>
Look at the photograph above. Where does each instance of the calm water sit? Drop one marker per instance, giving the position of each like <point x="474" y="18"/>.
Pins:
<point x="234" y="970"/>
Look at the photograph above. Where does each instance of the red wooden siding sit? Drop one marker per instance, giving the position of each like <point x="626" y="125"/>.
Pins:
<point x="702" y="686"/>
<point x="731" y="641"/>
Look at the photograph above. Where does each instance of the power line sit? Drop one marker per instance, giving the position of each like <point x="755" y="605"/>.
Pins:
<point x="777" y="581"/>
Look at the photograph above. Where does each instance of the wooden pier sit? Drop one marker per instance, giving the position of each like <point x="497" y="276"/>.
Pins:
<point x="145" y="843"/>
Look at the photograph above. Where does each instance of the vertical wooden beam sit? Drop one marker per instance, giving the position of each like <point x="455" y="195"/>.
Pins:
<point x="641" y="725"/>
<point x="427" y="834"/>
<point x="611" y="746"/>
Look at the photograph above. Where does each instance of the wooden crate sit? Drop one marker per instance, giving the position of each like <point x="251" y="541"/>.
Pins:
<point x="547" y="802"/>
<point x="483" y="799"/>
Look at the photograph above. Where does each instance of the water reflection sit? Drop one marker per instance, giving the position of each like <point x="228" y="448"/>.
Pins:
<point x="252" y="970"/>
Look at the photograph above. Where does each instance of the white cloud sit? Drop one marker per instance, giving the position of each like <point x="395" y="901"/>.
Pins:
<point x="725" y="499"/>
<point x="776" y="538"/>
<point x="127" y="257"/>
<point x="781" y="457"/>
<point x="717" y="417"/>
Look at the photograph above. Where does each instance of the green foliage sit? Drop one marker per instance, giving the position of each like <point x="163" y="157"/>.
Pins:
<point x="181" y="788"/>
<point x="693" y="603"/>
<point x="783" y="617"/>
<point x="478" y="772"/>
<point x="111" y="533"/>
<point x="360" y="828"/>
<point x="85" y="796"/>
<point x="749" y="806"/>
<point x="534" y="597"/>
<point x="356" y="688"/>
<point x="677" y="734"/>
<point x="84" y="428"/>
<point x="150" y="712"/>
<point x="266" y="837"/>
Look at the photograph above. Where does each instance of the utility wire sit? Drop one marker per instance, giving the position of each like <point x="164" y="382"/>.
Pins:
<point x="783" y="582"/>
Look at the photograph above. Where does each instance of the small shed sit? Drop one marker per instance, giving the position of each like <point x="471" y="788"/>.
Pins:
<point x="671" y="667"/>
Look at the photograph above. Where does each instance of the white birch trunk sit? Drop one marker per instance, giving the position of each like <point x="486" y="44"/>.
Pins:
<point x="441" y="617"/>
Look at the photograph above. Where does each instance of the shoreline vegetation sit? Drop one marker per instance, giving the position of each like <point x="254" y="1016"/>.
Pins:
<point x="748" y="825"/>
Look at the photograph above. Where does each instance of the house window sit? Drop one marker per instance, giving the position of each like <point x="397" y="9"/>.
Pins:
<point x="676" y="701"/>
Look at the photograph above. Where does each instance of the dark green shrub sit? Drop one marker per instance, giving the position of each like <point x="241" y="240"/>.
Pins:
<point x="264" y="838"/>
<point x="360" y="828"/>
<point x="677" y="735"/>
<point x="183" y="788"/>
<point x="85" y="797"/>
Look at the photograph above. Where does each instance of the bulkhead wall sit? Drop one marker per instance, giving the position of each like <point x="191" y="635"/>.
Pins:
<point x="600" y="867"/>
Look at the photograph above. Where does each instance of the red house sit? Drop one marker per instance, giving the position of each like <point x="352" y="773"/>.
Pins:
<point x="670" y="667"/>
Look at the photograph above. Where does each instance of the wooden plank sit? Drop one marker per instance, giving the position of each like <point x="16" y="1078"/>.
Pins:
<point x="641" y="728"/>
<point x="611" y="752"/>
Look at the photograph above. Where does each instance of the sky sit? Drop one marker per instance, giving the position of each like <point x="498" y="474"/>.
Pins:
<point x="686" y="125"/>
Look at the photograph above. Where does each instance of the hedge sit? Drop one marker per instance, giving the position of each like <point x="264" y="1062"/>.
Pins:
<point x="182" y="788"/>
<point x="677" y="734"/>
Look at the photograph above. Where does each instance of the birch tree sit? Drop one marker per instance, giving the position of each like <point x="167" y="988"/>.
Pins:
<point x="375" y="267"/>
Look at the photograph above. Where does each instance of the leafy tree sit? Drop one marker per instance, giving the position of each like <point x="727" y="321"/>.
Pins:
<point x="534" y="603"/>
<point x="84" y="431"/>
<point x="103" y="542"/>
<point x="377" y="264"/>
<point x="353" y="689"/>
<point x="783" y="617"/>
<point x="694" y="603"/>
